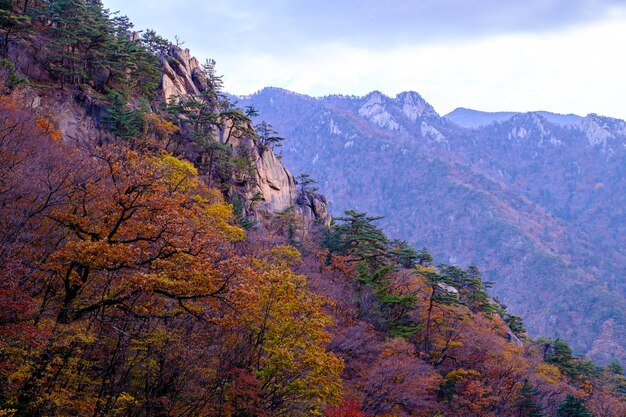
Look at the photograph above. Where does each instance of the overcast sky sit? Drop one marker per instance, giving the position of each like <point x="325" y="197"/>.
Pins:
<point x="567" y="56"/>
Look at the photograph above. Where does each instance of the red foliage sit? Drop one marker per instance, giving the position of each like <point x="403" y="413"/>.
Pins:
<point x="350" y="407"/>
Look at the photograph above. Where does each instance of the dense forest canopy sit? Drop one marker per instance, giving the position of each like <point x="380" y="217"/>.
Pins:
<point x="136" y="282"/>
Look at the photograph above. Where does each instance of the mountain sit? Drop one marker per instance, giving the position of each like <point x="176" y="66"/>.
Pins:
<point x="159" y="259"/>
<point x="470" y="119"/>
<point x="537" y="205"/>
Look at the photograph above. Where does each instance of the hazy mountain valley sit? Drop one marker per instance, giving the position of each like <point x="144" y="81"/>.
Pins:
<point x="538" y="205"/>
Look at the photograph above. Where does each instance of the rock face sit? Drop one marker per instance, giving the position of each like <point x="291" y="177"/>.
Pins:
<point x="76" y="113"/>
<point x="273" y="183"/>
<point x="535" y="200"/>
<point x="180" y="74"/>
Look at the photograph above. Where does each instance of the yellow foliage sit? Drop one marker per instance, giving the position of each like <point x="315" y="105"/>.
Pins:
<point x="276" y="303"/>
<point x="286" y="256"/>
<point x="159" y="126"/>
<point x="179" y="175"/>
<point x="549" y="373"/>
<point x="587" y="387"/>
<point x="461" y="374"/>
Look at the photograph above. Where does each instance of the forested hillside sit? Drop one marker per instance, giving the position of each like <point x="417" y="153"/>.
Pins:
<point x="159" y="260"/>
<point x="538" y="206"/>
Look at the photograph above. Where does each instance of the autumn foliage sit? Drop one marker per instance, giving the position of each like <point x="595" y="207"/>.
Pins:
<point x="123" y="292"/>
<point x="129" y="286"/>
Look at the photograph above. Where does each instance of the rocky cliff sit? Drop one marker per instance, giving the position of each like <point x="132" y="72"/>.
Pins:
<point x="79" y="114"/>
<point x="273" y="184"/>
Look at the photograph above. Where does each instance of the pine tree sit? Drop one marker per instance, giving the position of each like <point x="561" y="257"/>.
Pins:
<point x="123" y="122"/>
<point x="573" y="407"/>
<point x="527" y="405"/>
<point x="268" y="137"/>
<point x="403" y="254"/>
<point x="305" y="184"/>
<point x="561" y="354"/>
<point x="11" y="22"/>
<point x="358" y="238"/>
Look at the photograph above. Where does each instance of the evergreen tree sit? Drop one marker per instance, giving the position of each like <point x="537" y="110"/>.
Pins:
<point x="560" y="354"/>
<point x="424" y="258"/>
<point x="155" y="43"/>
<point x="573" y="407"/>
<point x="123" y="122"/>
<point x="403" y="254"/>
<point x="268" y="137"/>
<point x="527" y="403"/>
<point x="615" y="368"/>
<point x="475" y="291"/>
<point x="358" y="238"/>
<point x="11" y="22"/>
<point x="305" y="184"/>
<point x="79" y="32"/>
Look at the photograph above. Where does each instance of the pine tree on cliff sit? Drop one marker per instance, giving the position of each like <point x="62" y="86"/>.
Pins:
<point x="11" y="22"/>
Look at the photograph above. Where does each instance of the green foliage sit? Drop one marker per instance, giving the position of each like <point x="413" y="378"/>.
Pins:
<point x="122" y="121"/>
<point x="560" y="354"/>
<point x="615" y="368"/>
<point x="14" y="79"/>
<point x="134" y="66"/>
<point x="528" y="402"/>
<point x="357" y="237"/>
<point x="89" y="45"/>
<point x="155" y="43"/>
<point x="11" y="23"/>
<point x="472" y="289"/>
<point x="403" y="254"/>
<point x="251" y="111"/>
<point x="239" y="212"/>
<point x="285" y="223"/>
<point x="305" y="184"/>
<point x="573" y="407"/>
<point x="79" y="38"/>
<point x="515" y="323"/>
<point x="268" y="137"/>
<point x="394" y="306"/>
<point x="424" y="258"/>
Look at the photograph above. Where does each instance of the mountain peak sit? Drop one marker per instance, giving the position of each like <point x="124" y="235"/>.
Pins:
<point x="414" y="105"/>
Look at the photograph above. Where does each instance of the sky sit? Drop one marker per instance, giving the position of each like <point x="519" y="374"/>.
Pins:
<point x="566" y="56"/>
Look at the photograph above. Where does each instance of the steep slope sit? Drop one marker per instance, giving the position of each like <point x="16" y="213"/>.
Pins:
<point x="273" y="188"/>
<point x="538" y="206"/>
<point x="85" y="113"/>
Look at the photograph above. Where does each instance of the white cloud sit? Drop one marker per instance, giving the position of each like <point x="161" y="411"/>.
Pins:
<point x="579" y="71"/>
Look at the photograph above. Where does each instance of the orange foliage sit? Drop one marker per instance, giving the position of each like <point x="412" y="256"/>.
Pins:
<point x="48" y="128"/>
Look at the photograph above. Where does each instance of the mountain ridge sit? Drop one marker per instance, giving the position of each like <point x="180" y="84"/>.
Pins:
<point x="502" y="165"/>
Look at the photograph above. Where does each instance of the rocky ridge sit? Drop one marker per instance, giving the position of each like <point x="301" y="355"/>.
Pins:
<point x="274" y="184"/>
<point x="80" y="113"/>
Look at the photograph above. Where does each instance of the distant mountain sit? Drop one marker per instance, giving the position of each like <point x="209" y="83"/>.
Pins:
<point x="471" y="119"/>
<point x="538" y="205"/>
